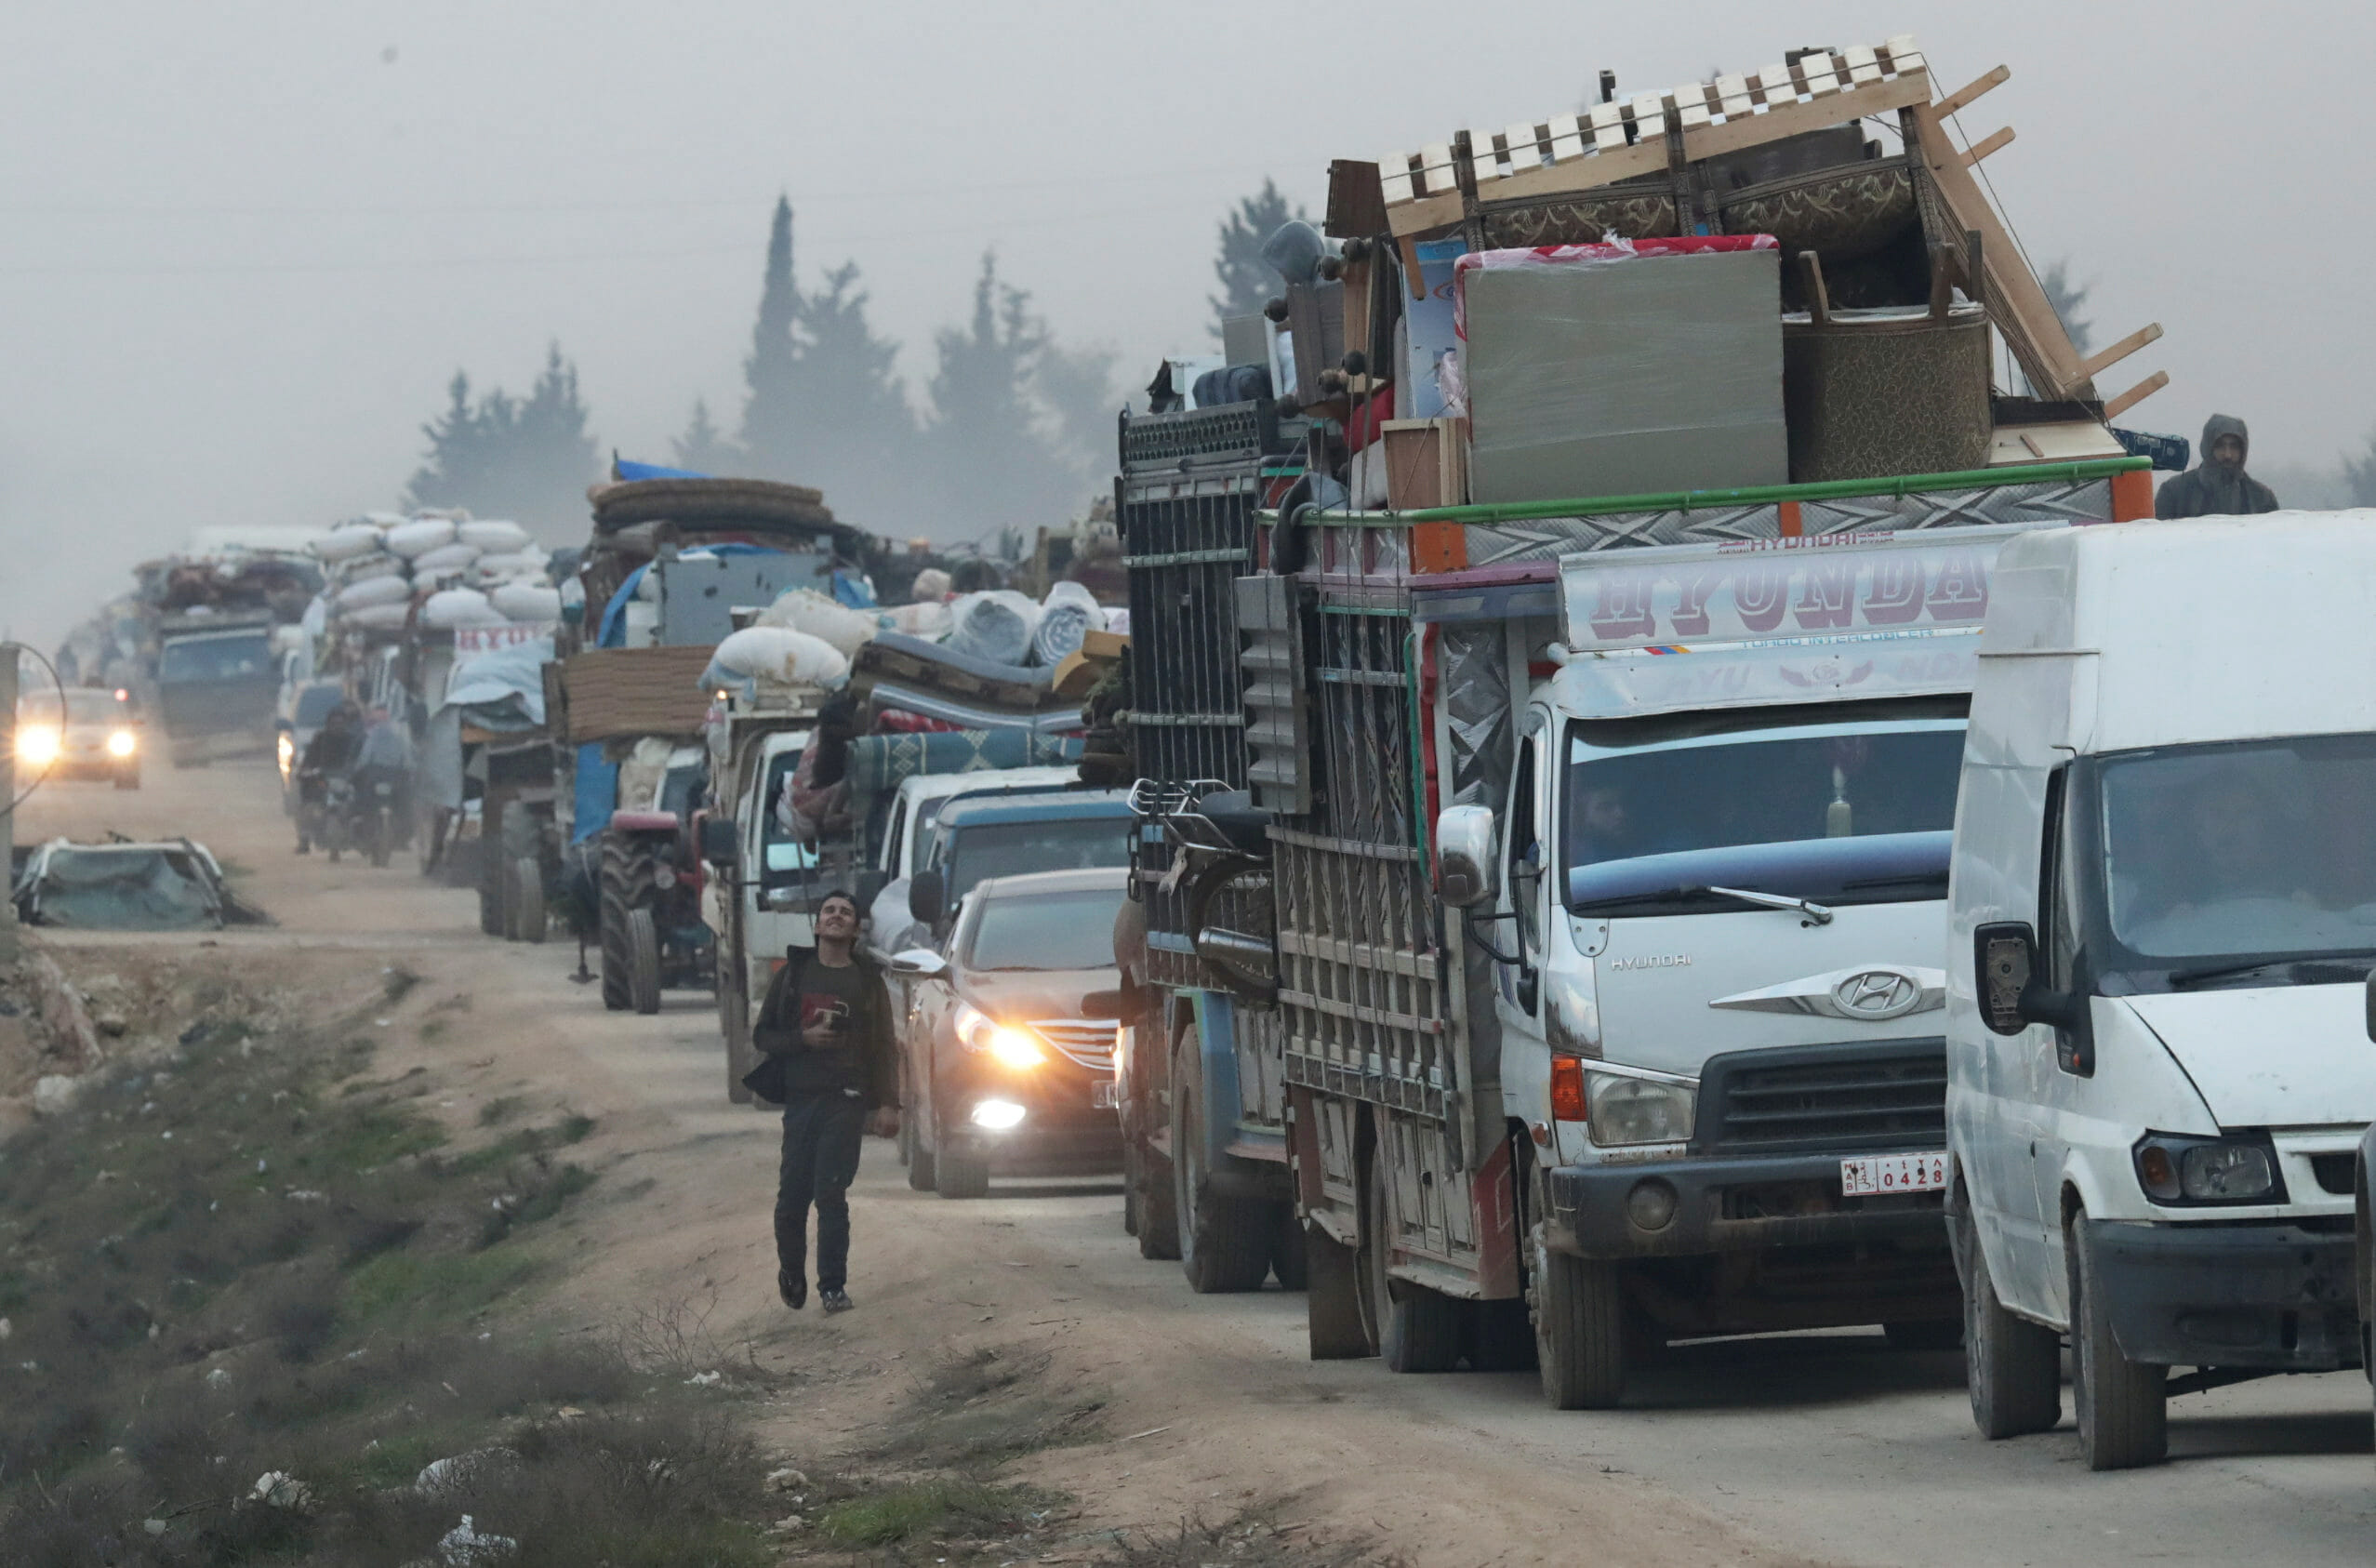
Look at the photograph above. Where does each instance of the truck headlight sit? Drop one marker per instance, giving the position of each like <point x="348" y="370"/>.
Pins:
<point x="2174" y="1168"/>
<point x="1626" y="1111"/>
<point x="1011" y="1049"/>
<point x="37" y="746"/>
<point x="122" y="743"/>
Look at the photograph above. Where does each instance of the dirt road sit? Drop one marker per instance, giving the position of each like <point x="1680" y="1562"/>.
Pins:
<point x="1825" y="1448"/>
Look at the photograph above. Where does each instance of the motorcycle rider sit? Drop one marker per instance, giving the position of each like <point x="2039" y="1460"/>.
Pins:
<point x="385" y="754"/>
<point x="332" y="750"/>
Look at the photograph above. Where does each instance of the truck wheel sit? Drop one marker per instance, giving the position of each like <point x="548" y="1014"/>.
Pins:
<point x="1149" y="1176"/>
<point x="626" y="886"/>
<point x="2012" y="1366"/>
<point x="1579" y="1330"/>
<point x="643" y="958"/>
<point x="1417" y="1329"/>
<point x="1288" y="1259"/>
<point x="955" y="1175"/>
<point x="2123" y="1407"/>
<point x="490" y="888"/>
<point x="1333" y="1299"/>
<point x="1225" y="1243"/>
<point x="530" y="917"/>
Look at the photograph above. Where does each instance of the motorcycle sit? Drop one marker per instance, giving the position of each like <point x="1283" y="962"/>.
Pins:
<point x="334" y="829"/>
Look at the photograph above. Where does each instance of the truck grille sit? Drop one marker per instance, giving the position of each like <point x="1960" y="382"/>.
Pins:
<point x="1881" y="1094"/>
<point x="1088" y="1041"/>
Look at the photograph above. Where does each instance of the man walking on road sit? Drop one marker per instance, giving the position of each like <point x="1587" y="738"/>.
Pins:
<point x="2218" y="486"/>
<point x="825" y="1028"/>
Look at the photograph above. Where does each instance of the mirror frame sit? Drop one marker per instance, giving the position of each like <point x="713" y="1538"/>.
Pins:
<point x="1467" y="862"/>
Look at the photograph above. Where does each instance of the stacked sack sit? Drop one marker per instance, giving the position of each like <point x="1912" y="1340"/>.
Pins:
<point x="458" y="573"/>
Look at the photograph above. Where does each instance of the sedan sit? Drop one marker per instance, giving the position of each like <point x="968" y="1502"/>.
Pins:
<point x="1000" y="1071"/>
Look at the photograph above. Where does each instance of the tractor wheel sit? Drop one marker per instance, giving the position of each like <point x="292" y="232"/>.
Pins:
<point x="628" y="864"/>
<point x="644" y="976"/>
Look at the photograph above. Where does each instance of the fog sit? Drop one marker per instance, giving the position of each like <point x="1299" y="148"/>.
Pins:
<point x="245" y="246"/>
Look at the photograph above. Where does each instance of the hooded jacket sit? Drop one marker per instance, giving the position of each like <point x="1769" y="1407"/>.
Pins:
<point x="869" y="1064"/>
<point x="2212" y="488"/>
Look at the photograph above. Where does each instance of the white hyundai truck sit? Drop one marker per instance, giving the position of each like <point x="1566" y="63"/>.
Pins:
<point x="2164" y="915"/>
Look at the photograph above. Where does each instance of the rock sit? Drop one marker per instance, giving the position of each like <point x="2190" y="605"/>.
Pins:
<point x="154" y="1526"/>
<point x="463" y="1546"/>
<point x="218" y="1379"/>
<point x="7" y="1328"/>
<point x="54" y="1094"/>
<point x="786" y="1479"/>
<point x="278" y="1489"/>
<point x="463" y="1470"/>
<point x="112" y="1025"/>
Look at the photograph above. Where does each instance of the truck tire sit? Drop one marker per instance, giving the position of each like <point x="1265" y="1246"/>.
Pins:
<point x="1288" y="1258"/>
<point x="1580" y="1339"/>
<point x="1149" y="1175"/>
<point x="2012" y="1366"/>
<point x="1225" y="1243"/>
<point x="626" y="886"/>
<point x="531" y="919"/>
<point x="2123" y="1407"/>
<point x="1333" y="1299"/>
<point x="490" y="888"/>
<point x="1417" y="1329"/>
<point x="644" y="960"/>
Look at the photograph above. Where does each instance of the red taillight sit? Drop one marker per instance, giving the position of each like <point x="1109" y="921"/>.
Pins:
<point x="1567" y="1090"/>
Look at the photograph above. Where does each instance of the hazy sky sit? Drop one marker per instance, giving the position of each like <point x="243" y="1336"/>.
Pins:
<point x="243" y="246"/>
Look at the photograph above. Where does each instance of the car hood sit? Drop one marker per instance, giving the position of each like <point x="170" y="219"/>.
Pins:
<point x="1024" y="996"/>
<point x="2280" y="1055"/>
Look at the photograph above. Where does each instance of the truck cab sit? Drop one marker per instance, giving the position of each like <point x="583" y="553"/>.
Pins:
<point x="2163" y="919"/>
<point x="1010" y="835"/>
<point x="217" y="681"/>
<point x="906" y="836"/>
<point x="762" y="900"/>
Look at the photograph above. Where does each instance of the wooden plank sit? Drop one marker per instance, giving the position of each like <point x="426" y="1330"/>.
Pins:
<point x="2100" y="363"/>
<point x="2116" y="406"/>
<point x="1986" y="145"/>
<point x="2017" y="305"/>
<point x="1965" y="96"/>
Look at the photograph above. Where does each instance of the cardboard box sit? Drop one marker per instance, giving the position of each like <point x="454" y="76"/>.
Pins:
<point x="1627" y="377"/>
<point x="1427" y="462"/>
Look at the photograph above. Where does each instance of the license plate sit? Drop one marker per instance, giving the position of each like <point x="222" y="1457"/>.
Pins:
<point x="1101" y="1096"/>
<point x="1878" y="1174"/>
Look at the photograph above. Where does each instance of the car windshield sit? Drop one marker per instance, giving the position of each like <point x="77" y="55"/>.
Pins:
<point x="981" y="850"/>
<point x="229" y="656"/>
<point x="1841" y="813"/>
<point x="1046" y="931"/>
<point x="92" y="705"/>
<point x="2231" y="851"/>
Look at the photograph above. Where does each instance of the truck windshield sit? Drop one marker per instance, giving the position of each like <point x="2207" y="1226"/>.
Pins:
<point x="2220" y="852"/>
<point x="1840" y="814"/>
<point x="1006" y="849"/>
<point x="1046" y="931"/>
<point x="782" y="854"/>
<point x="232" y="656"/>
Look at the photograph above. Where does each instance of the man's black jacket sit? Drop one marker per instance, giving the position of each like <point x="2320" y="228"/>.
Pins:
<point x="869" y="1062"/>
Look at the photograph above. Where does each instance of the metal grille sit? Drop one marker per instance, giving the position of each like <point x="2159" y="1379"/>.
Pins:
<point x="1187" y="538"/>
<point x="1229" y="430"/>
<point x="1360" y="956"/>
<point x="1872" y="1095"/>
<point x="1084" y="1041"/>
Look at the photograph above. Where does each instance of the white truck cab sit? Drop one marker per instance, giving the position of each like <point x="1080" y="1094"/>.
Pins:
<point x="2163" y="914"/>
<point x="906" y="835"/>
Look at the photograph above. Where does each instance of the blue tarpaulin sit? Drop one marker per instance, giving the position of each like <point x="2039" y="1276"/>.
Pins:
<point x="620" y="469"/>
<point x="596" y="793"/>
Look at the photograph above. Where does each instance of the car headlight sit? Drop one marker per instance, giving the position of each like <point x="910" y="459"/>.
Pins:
<point x="1626" y="1111"/>
<point x="1010" y="1047"/>
<point x="286" y="745"/>
<point x="2173" y="1168"/>
<point x="37" y="746"/>
<point x="122" y="743"/>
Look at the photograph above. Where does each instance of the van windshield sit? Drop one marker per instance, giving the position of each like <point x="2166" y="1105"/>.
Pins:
<point x="1841" y="813"/>
<point x="981" y="850"/>
<point x="2227" y="851"/>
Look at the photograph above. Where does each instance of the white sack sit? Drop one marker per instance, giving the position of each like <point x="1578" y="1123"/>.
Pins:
<point x="527" y="600"/>
<point x="377" y="618"/>
<point x="411" y="540"/>
<point x="493" y="533"/>
<point x="804" y="609"/>
<point x="387" y="590"/>
<point x="782" y="655"/>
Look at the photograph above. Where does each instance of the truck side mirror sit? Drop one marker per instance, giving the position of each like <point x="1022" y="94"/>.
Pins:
<point x="1465" y="861"/>
<point x="718" y="841"/>
<point x="2004" y="955"/>
<point x="924" y="897"/>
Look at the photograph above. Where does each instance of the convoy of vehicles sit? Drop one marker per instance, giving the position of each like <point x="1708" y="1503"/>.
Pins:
<point x="1000" y="1071"/>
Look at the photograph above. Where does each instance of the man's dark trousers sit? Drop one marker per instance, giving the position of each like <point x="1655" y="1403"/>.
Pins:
<point x="821" y="1135"/>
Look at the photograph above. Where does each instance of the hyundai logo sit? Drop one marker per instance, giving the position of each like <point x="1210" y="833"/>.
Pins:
<point x="1878" y="993"/>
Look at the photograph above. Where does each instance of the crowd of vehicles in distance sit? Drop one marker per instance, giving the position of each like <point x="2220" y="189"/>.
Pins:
<point x="2164" y="918"/>
<point x="217" y="681"/>
<point x="1001" y="1071"/>
<point x="96" y="734"/>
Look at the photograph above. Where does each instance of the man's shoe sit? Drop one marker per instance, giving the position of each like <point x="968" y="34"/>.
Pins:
<point x="835" y="1301"/>
<point x="794" y="1290"/>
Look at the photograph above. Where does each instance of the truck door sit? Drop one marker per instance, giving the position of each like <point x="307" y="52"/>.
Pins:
<point x="1518" y="935"/>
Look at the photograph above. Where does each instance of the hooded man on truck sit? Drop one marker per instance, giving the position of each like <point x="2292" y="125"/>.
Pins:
<point x="2218" y="486"/>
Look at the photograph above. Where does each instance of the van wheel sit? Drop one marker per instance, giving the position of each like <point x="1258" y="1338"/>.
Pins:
<point x="2123" y="1407"/>
<point x="1580" y="1330"/>
<point x="1333" y="1299"/>
<point x="1224" y="1243"/>
<point x="2012" y="1366"/>
<point x="1417" y="1329"/>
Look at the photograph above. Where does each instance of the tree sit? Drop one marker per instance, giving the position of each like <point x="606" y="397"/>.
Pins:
<point x="2360" y="474"/>
<point x="528" y="458"/>
<point x="1076" y="386"/>
<point x="2068" y="300"/>
<point x="990" y="438"/>
<point x="1247" y="281"/>
<point x="771" y="413"/>
<point x="704" y="448"/>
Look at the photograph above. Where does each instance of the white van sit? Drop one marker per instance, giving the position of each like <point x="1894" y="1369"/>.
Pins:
<point x="2163" y="895"/>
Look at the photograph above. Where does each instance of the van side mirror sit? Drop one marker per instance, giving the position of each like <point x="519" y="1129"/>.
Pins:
<point x="2371" y="1004"/>
<point x="1465" y="861"/>
<point x="718" y="841"/>
<point x="2004" y="971"/>
<point x="924" y="897"/>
